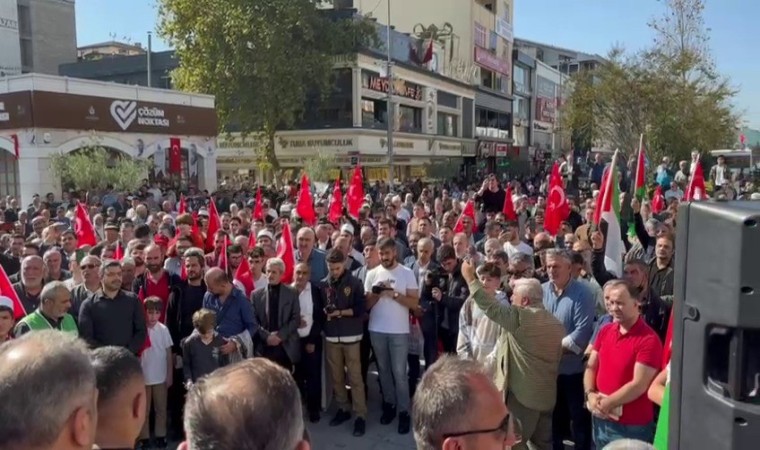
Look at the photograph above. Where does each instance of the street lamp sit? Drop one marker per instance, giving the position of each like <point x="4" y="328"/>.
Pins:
<point x="389" y="99"/>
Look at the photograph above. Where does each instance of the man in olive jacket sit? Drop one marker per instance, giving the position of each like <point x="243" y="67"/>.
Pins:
<point x="527" y="355"/>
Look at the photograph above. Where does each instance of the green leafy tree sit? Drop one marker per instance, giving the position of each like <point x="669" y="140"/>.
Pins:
<point x="321" y="167"/>
<point x="671" y="92"/>
<point x="95" y="168"/>
<point x="260" y="58"/>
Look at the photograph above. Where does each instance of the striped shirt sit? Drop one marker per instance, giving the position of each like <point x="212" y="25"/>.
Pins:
<point x="528" y="351"/>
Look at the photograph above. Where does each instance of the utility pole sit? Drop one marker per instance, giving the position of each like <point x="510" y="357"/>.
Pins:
<point x="389" y="100"/>
<point x="150" y="66"/>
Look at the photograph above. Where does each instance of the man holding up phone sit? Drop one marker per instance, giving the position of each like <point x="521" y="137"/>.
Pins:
<point x="391" y="292"/>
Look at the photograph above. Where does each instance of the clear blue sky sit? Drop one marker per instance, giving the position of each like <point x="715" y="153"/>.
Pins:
<point x="592" y="26"/>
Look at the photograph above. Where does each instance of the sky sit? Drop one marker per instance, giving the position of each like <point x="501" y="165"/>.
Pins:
<point x="591" y="26"/>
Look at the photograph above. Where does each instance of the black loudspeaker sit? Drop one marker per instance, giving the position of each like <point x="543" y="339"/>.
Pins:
<point x="715" y="367"/>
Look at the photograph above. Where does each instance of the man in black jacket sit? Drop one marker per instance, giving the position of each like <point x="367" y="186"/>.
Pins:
<point x="345" y="304"/>
<point x="451" y="298"/>
<point x="185" y="298"/>
<point x="308" y="373"/>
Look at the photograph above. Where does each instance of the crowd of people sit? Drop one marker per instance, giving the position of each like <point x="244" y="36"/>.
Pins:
<point x="210" y="320"/>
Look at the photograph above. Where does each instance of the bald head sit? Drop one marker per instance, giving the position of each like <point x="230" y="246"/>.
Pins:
<point x="252" y="404"/>
<point x="216" y="276"/>
<point x="47" y="385"/>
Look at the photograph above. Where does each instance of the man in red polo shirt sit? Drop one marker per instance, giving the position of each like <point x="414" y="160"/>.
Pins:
<point x="156" y="281"/>
<point x="625" y="359"/>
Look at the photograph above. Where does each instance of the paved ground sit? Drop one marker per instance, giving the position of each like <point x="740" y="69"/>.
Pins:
<point x="377" y="437"/>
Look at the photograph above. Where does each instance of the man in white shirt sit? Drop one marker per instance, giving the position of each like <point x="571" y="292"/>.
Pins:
<point x="391" y="292"/>
<point x="513" y="244"/>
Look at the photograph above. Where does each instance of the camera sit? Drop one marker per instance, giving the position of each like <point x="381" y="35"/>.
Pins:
<point x="437" y="278"/>
<point x="330" y="308"/>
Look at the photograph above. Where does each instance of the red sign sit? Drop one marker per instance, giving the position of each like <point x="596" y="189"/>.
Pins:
<point x="546" y="109"/>
<point x="742" y="139"/>
<point x="491" y="61"/>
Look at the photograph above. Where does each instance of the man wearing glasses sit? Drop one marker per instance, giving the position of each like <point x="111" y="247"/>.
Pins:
<point x="457" y="406"/>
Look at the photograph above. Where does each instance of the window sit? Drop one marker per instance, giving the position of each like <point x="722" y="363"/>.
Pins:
<point x="8" y="172"/>
<point x="493" y="39"/>
<point x="506" y="14"/>
<point x="374" y="113"/>
<point x="521" y="108"/>
<point x="480" y="35"/>
<point x="410" y="119"/>
<point x="448" y="125"/>
<point x="486" y="78"/>
<point x="446" y="99"/>
<point x="520" y="78"/>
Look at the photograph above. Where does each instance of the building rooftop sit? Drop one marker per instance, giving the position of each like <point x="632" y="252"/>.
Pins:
<point x="579" y="54"/>
<point x="136" y="47"/>
<point x="76" y="86"/>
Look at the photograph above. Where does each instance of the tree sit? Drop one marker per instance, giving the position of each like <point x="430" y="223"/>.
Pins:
<point x="259" y="58"/>
<point x="95" y="168"/>
<point x="321" y="167"/>
<point x="670" y="92"/>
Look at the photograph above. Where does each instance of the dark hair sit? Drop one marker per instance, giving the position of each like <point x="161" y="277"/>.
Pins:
<point x="142" y="232"/>
<point x="489" y="269"/>
<point x="126" y="223"/>
<point x="153" y="303"/>
<point x="33" y="246"/>
<point x="114" y="367"/>
<point x="387" y="243"/>
<point x="446" y="252"/>
<point x="234" y="249"/>
<point x="335" y="256"/>
<point x="256" y="252"/>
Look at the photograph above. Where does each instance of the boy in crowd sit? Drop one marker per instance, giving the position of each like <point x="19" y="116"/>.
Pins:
<point x="200" y="350"/>
<point x="477" y="333"/>
<point x="6" y="318"/>
<point x="157" y="367"/>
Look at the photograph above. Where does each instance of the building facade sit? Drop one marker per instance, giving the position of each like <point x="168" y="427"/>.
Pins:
<point x="477" y="40"/>
<point x="47" y="34"/>
<point x="523" y="84"/>
<point x="42" y="116"/>
<point x="564" y="60"/>
<point x="110" y="48"/>
<point x="433" y="118"/>
<point x="131" y="69"/>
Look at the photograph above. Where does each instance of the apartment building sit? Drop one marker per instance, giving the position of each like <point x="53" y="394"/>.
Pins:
<point x="477" y="40"/>
<point x="39" y="37"/>
<point x="564" y="60"/>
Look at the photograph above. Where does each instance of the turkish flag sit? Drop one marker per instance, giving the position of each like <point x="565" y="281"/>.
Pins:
<point x="696" y="190"/>
<point x="336" y="204"/>
<point x="119" y="253"/>
<point x="258" y="207"/>
<point x="557" y="208"/>
<point x="305" y="203"/>
<point x="175" y="156"/>
<point x="285" y="253"/>
<point x="83" y="228"/>
<point x="509" y="207"/>
<point x="14" y="138"/>
<point x="6" y="290"/>
<point x="355" y="194"/>
<point x="243" y="277"/>
<point x="214" y="225"/>
<point x="469" y="211"/>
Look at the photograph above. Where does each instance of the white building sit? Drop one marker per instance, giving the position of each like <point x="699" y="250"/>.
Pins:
<point x="42" y="115"/>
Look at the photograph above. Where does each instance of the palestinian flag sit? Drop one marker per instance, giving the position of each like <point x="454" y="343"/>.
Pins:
<point x="640" y="188"/>
<point x="661" y="435"/>
<point x="608" y="210"/>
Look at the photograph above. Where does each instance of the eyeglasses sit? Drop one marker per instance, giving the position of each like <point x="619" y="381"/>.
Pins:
<point x="88" y="266"/>
<point x="510" y="426"/>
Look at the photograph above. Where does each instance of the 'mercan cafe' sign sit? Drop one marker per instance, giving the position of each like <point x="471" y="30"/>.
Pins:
<point x="401" y="88"/>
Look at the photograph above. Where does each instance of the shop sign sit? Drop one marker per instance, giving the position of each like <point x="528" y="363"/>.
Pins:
<point x="450" y="147"/>
<point x="397" y="143"/>
<point x="491" y="61"/>
<point x="314" y="143"/>
<point x="401" y="87"/>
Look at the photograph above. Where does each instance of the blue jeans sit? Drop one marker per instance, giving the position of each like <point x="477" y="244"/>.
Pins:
<point x="606" y="431"/>
<point x="391" y="352"/>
